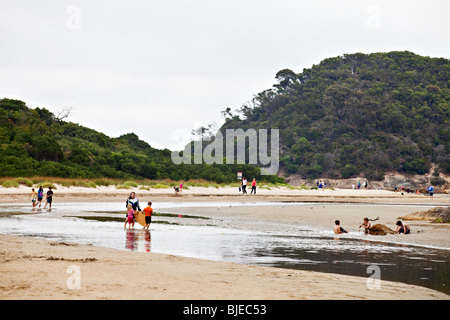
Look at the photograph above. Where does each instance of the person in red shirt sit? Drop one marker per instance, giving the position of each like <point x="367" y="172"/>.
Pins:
<point x="148" y="215"/>
<point x="253" y="186"/>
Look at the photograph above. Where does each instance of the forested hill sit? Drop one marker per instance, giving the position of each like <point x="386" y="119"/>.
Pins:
<point x="357" y="114"/>
<point x="35" y="142"/>
<point x="353" y="115"/>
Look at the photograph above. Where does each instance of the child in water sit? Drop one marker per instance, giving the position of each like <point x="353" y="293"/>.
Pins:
<point x="148" y="215"/>
<point x="402" y="228"/>
<point x="365" y="225"/>
<point x="33" y="197"/>
<point x="130" y="216"/>
<point x="338" y="229"/>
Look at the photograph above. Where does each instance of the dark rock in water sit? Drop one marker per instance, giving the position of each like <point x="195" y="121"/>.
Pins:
<point x="380" y="230"/>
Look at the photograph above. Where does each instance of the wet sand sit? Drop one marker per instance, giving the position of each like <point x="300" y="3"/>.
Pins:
<point x="38" y="269"/>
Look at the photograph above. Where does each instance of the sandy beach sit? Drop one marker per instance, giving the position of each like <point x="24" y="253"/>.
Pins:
<point x="111" y="193"/>
<point x="39" y="269"/>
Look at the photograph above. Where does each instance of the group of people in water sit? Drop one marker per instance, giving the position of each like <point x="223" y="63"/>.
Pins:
<point x="132" y="205"/>
<point x="37" y="197"/>
<point x="366" y="225"/>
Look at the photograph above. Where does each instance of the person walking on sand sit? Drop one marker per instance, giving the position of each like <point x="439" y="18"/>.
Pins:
<point x="338" y="229"/>
<point x="148" y="215"/>
<point x="130" y="216"/>
<point x="253" y="186"/>
<point x="33" y="197"/>
<point x="49" y="198"/>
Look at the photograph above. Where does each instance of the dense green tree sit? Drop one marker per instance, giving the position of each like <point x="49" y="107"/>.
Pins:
<point x="358" y="114"/>
<point x="35" y="142"/>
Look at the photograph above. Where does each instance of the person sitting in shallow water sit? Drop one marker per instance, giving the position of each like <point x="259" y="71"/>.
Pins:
<point x="338" y="229"/>
<point x="402" y="228"/>
<point x="365" y="225"/>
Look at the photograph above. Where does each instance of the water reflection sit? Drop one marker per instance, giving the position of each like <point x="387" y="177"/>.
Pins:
<point x="413" y="265"/>
<point x="138" y="240"/>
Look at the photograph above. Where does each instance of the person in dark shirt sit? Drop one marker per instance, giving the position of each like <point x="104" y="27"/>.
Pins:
<point x="49" y="198"/>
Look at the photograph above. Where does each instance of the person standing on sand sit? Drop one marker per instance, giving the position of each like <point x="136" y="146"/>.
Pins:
<point x="244" y="185"/>
<point x="431" y="191"/>
<point x="49" y="198"/>
<point x="253" y="186"/>
<point x="338" y="229"/>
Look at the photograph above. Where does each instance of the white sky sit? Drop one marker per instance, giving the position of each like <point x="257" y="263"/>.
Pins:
<point x="162" y="68"/>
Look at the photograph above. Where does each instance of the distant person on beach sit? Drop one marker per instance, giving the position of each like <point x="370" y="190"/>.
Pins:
<point x="177" y="190"/>
<point x="338" y="229"/>
<point x="402" y="228"/>
<point x="431" y="191"/>
<point x="33" y="197"/>
<point x="148" y="215"/>
<point x="181" y="188"/>
<point x="253" y="186"/>
<point x="49" y="198"/>
<point x="244" y="185"/>
<point x="40" y="195"/>
<point x="130" y="216"/>
<point x="365" y="225"/>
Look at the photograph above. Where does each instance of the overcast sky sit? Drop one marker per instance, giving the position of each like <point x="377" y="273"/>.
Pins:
<point x="162" y="68"/>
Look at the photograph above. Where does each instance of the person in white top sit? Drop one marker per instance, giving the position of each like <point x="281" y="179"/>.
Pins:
<point x="244" y="185"/>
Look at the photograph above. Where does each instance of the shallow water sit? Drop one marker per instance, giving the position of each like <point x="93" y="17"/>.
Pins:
<point x="309" y="249"/>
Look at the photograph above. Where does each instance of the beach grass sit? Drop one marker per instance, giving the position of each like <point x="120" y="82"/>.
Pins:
<point x="143" y="184"/>
<point x="10" y="184"/>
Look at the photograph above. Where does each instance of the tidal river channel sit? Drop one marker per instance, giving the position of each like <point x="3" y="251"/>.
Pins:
<point x="101" y="224"/>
